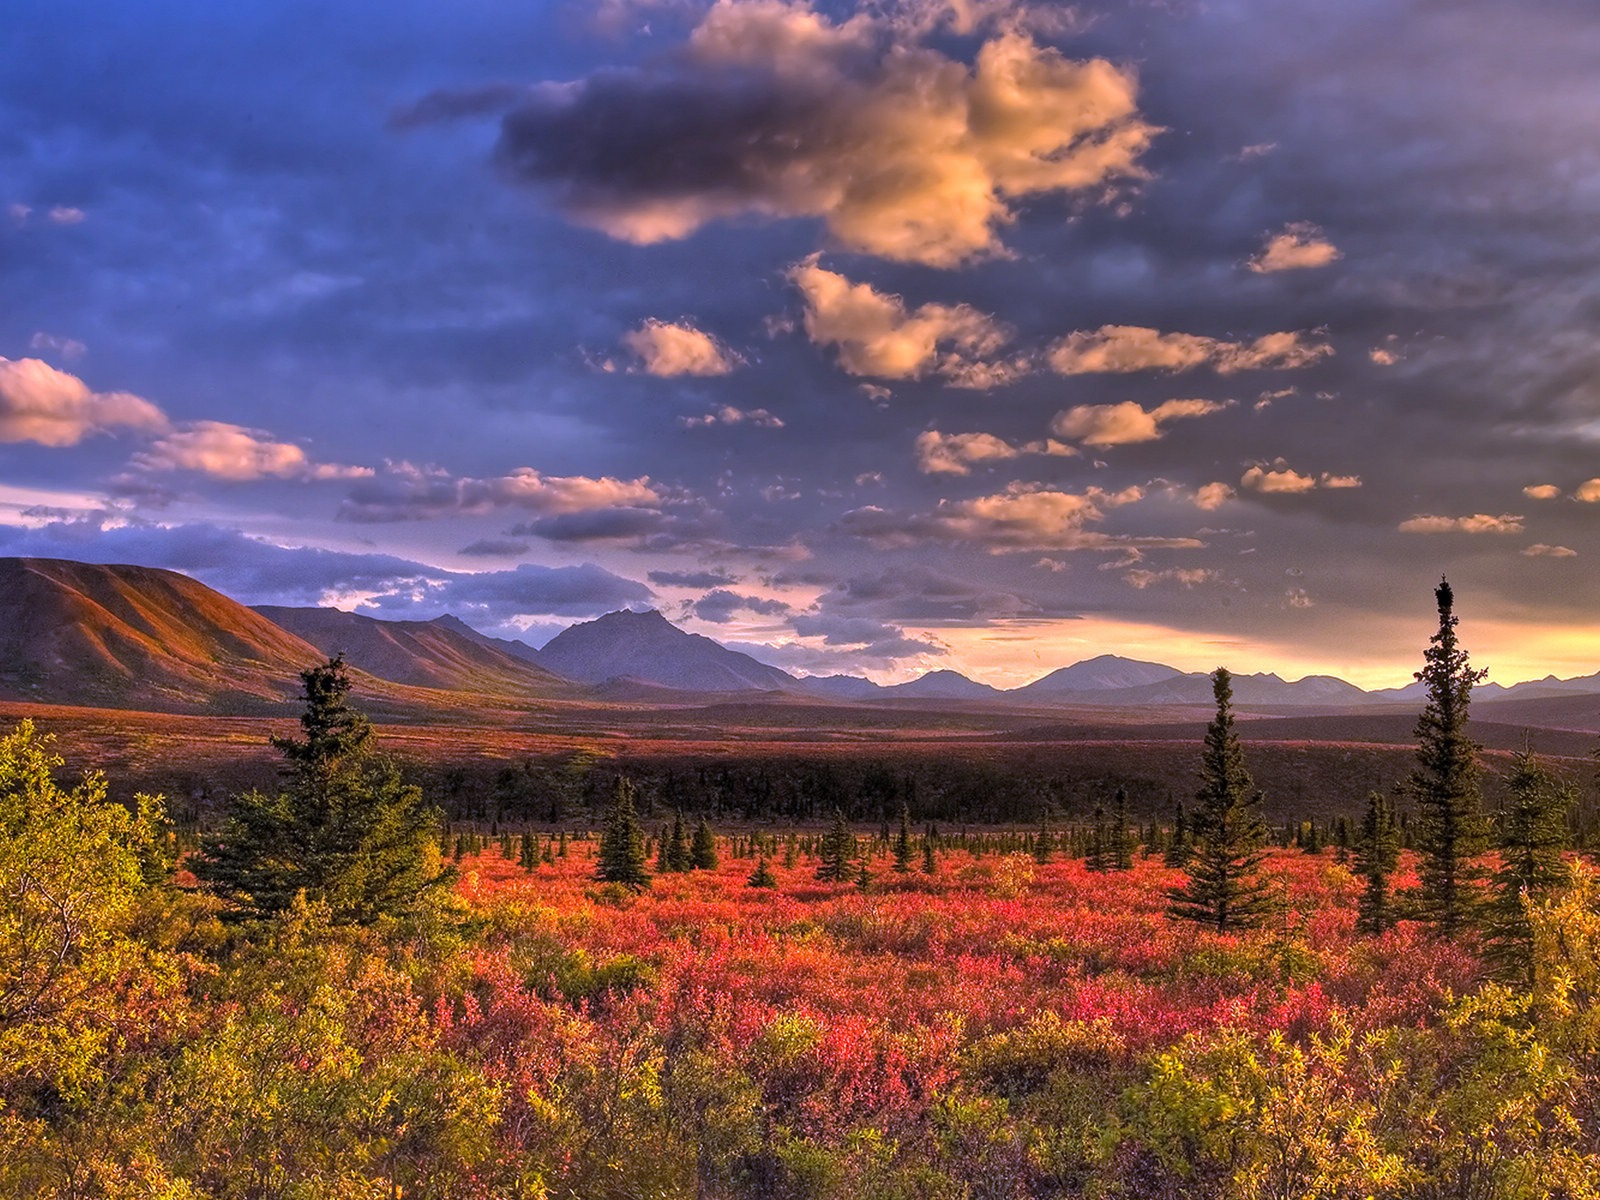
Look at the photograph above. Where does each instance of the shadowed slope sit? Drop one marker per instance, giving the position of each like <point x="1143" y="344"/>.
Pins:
<point x="421" y="653"/>
<point x="126" y="636"/>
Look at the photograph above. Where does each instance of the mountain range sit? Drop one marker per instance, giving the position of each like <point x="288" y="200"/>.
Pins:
<point x="140" y="637"/>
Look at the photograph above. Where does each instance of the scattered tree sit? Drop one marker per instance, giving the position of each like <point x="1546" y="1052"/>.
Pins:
<point x="1532" y="836"/>
<point x="1223" y="890"/>
<point x="622" y="855"/>
<point x="762" y="876"/>
<point x="902" y="843"/>
<point x="837" y="851"/>
<point x="344" y="830"/>
<point x="703" y="849"/>
<point x="1377" y="855"/>
<point x="1444" y="782"/>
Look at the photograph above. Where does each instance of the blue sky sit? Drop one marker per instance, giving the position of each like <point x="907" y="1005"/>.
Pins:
<point x="986" y="336"/>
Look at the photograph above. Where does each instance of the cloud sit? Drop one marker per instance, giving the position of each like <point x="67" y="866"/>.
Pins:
<point x="1588" y="491"/>
<point x="255" y="571"/>
<point x="494" y="548"/>
<point x="1300" y="246"/>
<point x="1122" y="349"/>
<point x="728" y="415"/>
<point x="406" y="492"/>
<point x="877" y="335"/>
<point x="1541" y="491"/>
<point x="1212" y="496"/>
<point x="1477" y="523"/>
<point x="68" y="348"/>
<point x="1125" y="423"/>
<point x="1184" y="577"/>
<point x="871" y="638"/>
<point x="1024" y="516"/>
<point x="41" y="404"/>
<point x="691" y="579"/>
<point x="773" y="110"/>
<point x="1540" y="550"/>
<point x="1280" y="478"/>
<point x="666" y="349"/>
<point x="236" y="454"/>
<point x="719" y="606"/>
<point x="957" y="453"/>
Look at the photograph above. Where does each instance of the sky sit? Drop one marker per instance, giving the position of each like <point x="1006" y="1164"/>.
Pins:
<point x="878" y="338"/>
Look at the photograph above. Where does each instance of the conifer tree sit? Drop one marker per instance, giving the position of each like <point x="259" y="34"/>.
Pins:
<point x="622" y="854"/>
<point x="344" y="829"/>
<point x="930" y="863"/>
<point x="902" y="843"/>
<point x="1223" y="890"/>
<point x="677" y="856"/>
<point x="562" y="849"/>
<point x="1533" y="834"/>
<point x="1444" y="782"/>
<point x="1377" y="854"/>
<point x="1042" y="841"/>
<point x="863" y="873"/>
<point x="1119" y="853"/>
<point x="1178" y="849"/>
<point x="529" y="858"/>
<point x="791" y="853"/>
<point x="837" y="850"/>
<point x="703" y="849"/>
<point x="762" y="876"/>
<point x="1094" y="858"/>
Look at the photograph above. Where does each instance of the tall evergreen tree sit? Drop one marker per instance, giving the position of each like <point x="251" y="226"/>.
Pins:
<point x="677" y="856"/>
<point x="1223" y="889"/>
<point x="1119" y="852"/>
<point x="1532" y="836"/>
<point x="837" y="850"/>
<point x="1444" y="783"/>
<point x="1179" y="848"/>
<point x="930" y="863"/>
<point x="622" y="841"/>
<point x="902" y="843"/>
<point x="344" y="829"/>
<point x="703" y="849"/>
<point x="1044" y="840"/>
<point x="1097" y="859"/>
<point x="1377" y="855"/>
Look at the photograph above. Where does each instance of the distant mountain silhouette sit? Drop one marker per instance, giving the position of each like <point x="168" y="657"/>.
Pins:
<point x="1103" y="674"/>
<point x="137" y="637"/>
<point x="509" y="646"/>
<point x="430" y="654"/>
<point x="645" y="646"/>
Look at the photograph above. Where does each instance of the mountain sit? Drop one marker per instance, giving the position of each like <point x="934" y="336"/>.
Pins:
<point x="1105" y="673"/>
<point x="509" y="646"/>
<point x="842" y="687"/>
<point x="943" y="685"/>
<point x="646" y="646"/>
<point x="138" y="637"/>
<point x="428" y="654"/>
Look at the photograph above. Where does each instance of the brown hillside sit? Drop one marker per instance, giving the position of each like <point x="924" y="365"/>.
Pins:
<point x="419" y="653"/>
<point x="126" y="636"/>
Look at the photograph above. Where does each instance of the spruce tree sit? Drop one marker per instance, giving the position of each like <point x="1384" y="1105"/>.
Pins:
<point x="902" y="843"/>
<point x="1223" y="889"/>
<point x="1099" y="839"/>
<point x="930" y="863"/>
<point x="1444" y="783"/>
<point x="703" y="849"/>
<point x="622" y="854"/>
<point x="863" y="873"/>
<point x="529" y="858"/>
<point x="344" y="829"/>
<point x="676" y="855"/>
<point x="1119" y="853"/>
<point x="762" y="876"/>
<point x="1179" y="848"/>
<point x="1532" y="837"/>
<point x="837" y="850"/>
<point x="1377" y="855"/>
<point x="1044" y="839"/>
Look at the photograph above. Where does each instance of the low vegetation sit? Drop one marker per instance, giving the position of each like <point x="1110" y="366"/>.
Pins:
<point x="336" y="995"/>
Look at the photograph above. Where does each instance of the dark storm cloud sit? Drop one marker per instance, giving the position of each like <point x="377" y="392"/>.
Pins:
<point x="719" y="606"/>
<point x="692" y="579"/>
